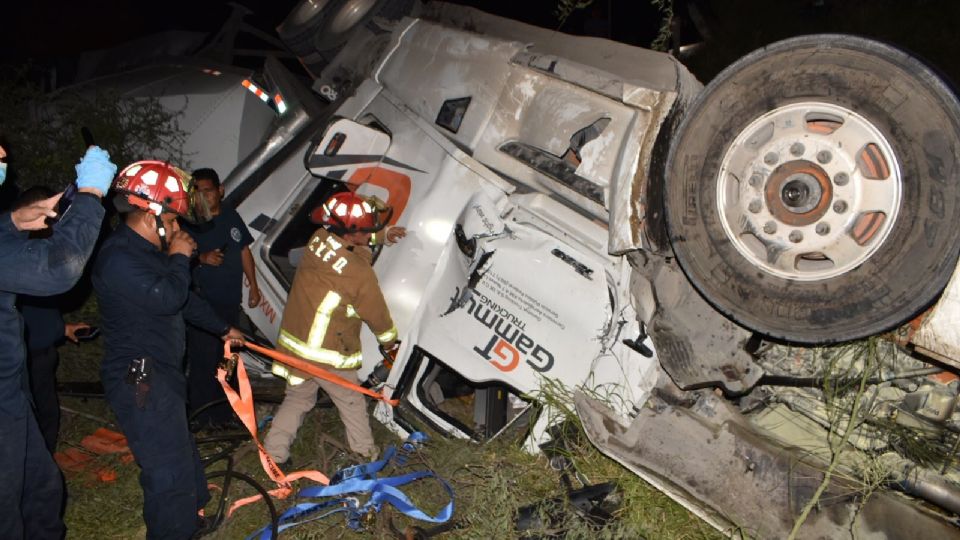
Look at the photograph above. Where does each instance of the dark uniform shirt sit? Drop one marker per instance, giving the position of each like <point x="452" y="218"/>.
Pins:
<point x="221" y="285"/>
<point x="38" y="267"/>
<point x="144" y="296"/>
<point x="43" y="325"/>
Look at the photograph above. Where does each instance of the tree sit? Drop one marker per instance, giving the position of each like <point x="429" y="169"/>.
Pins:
<point x="42" y="130"/>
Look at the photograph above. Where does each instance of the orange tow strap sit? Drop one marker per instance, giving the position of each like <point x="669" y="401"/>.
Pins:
<point x="242" y="404"/>
<point x="317" y="371"/>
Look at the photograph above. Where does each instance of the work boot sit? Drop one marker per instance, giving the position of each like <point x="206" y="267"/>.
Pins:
<point x="287" y="465"/>
<point x="205" y="526"/>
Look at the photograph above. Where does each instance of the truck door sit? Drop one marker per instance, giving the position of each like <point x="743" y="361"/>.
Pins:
<point x="352" y="152"/>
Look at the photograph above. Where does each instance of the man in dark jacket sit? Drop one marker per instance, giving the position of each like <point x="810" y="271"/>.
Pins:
<point x="44" y="331"/>
<point x="31" y="488"/>
<point x="224" y="259"/>
<point x="142" y="281"/>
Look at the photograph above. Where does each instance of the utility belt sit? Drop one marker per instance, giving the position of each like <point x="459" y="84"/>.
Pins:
<point x="140" y="374"/>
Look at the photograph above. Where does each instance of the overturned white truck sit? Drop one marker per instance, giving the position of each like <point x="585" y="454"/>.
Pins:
<point x="585" y="217"/>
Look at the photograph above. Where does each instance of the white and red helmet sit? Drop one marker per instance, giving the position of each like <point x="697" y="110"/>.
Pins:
<point x="348" y="212"/>
<point x="155" y="187"/>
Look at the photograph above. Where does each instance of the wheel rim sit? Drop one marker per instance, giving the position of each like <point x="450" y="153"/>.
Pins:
<point x="306" y="10"/>
<point x="809" y="191"/>
<point x="349" y="15"/>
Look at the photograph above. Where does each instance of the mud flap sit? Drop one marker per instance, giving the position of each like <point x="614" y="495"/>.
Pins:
<point x="696" y="345"/>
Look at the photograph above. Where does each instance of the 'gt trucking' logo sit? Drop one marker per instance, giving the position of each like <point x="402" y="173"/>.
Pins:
<point x="508" y="342"/>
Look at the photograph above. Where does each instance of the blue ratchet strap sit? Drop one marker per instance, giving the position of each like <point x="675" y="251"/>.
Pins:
<point x="362" y="479"/>
<point x="366" y="470"/>
<point x="292" y="516"/>
<point x="386" y="492"/>
<point x="414" y="441"/>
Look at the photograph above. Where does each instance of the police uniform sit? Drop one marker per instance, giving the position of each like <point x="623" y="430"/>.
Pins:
<point x="221" y="287"/>
<point x="144" y="296"/>
<point x="334" y="291"/>
<point x="31" y="488"/>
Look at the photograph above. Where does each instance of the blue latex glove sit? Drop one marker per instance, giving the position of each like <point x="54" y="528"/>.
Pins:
<point x="96" y="170"/>
<point x="3" y="172"/>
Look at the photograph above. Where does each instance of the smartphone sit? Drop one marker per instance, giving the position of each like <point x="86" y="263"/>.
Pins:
<point x="68" y="195"/>
<point x="71" y="192"/>
<point x="86" y="334"/>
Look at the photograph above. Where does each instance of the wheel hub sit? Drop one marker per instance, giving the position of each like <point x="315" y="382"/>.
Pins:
<point x="798" y="193"/>
<point x="808" y="191"/>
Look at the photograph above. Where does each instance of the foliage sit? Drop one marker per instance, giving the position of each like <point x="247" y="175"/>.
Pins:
<point x="565" y="8"/>
<point x="41" y="131"/>
<point x="662" y="41"/>
<point x="845" y="418"/>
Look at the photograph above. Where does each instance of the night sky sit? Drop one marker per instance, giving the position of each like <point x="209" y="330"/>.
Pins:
<point x="45" y="29"/>
<point x="51" y="32"/>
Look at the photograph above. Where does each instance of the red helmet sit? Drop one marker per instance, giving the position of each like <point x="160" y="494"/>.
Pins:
<point x="348" y="212"/>
<point x="156" y="187"/>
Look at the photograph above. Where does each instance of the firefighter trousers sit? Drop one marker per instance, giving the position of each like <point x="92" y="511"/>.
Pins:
<point x="299" y="399"/>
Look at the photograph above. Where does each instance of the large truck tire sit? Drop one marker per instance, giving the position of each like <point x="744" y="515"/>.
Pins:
<point x="812" y="191"/>
<point x="316" y="30"/>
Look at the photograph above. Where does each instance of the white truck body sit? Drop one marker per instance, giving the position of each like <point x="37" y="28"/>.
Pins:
<point x="525" y="166"/>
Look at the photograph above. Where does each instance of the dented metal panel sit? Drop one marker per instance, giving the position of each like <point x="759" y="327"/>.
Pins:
<point x="432" y="64"/>
<point x="636" y="67"/>
<point x="939" y="332"/>
<point x="544" y="121"/>
<point x="702" y="455"/>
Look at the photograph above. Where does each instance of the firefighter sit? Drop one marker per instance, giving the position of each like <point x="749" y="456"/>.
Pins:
<point x="31" y="488"/>
<point x="142" y="281"/>
<point x="333" y="290"/>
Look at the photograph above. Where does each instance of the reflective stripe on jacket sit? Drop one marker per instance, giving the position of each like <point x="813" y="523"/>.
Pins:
<point x="334" y="290"/>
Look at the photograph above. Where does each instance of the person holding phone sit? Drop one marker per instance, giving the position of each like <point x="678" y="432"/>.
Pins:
<point x="45" y="330"/>
<point x="31" y="487"/>
<point x="223" y="244"/>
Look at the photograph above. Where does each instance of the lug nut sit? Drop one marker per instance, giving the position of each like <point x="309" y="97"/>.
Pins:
<point x="797" y="149"/>
<point x="771" y="158"/>
<point x="796" y="237"/>
<point x="770" y="227"/>
<point x="840" y="207"/>
<point x="823" y="229"/>
<point x="755" y="206"/>
<point x="756" y="180"/>
<point x="824" y="157"/>
<point x="841" y="179"/>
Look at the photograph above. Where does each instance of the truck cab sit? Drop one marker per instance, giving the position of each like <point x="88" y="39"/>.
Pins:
<point x="502" y="282"/>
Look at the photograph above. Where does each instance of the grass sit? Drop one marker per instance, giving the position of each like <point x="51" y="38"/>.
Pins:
<point x="491" y="482"/>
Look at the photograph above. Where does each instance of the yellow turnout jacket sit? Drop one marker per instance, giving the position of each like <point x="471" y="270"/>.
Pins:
<point x="333" y="290"/>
